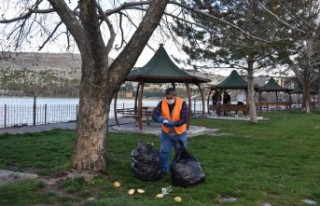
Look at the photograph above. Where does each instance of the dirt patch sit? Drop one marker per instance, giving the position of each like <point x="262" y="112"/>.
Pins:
<point x="7" y="176"/>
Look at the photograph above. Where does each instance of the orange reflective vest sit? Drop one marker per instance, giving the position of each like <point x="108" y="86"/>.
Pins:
<point x="174" y="116"/>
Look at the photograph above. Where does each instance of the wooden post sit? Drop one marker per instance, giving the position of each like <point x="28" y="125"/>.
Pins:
<point x="189" y="100"/>
<point x="202" y="100"/>
<point x="136" y="98"/>
<point x="34" y="110"/>
<point x="208" y="101"/>
<point x="115" y="108"/>
<point x="5" y="115"/>
<point x="45" y="114"/>
<point x="140" y="106"/>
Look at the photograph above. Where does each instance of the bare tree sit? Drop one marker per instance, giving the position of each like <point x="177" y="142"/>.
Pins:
<point x="306" y="68"/>
<point x="99" y="82"/>
<point x="303" y="57"/>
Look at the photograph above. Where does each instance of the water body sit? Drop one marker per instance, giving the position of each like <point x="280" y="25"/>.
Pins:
<point x="121" y="103"/>
<point x="72" y="101"/>
<point x="17" y="111"/>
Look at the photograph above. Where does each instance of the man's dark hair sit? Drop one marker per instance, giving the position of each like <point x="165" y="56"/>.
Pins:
<point x="170" y="90"/>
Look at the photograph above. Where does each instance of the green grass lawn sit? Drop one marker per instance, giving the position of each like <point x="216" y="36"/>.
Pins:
<point x="276" y="161"/>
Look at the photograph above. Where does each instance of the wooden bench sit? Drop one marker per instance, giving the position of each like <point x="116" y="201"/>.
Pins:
<point x="273" y="106"/>
<point x="232" y="107"/>
<point x="133" y="113"/>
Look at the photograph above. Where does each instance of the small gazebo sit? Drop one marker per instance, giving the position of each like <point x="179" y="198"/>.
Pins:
<point x="233" y="81"/>
<point x="273" y="86"/>
<point x="298" y="90"/>
<point x="160" y="69"/>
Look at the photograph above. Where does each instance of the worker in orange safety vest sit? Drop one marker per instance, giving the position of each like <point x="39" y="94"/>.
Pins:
<point x="172" y="112"/>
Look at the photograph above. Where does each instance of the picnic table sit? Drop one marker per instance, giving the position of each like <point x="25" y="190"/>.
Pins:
<point x="146" y="114"/>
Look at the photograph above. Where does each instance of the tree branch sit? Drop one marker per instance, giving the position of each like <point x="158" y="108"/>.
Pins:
<point x="111" y="30"/>
<point x="50" y="35"/>
<point x="71" y="22"/>
<point x="196" y="11"/>
<point x="26" y="15"/>
<point x="121" y="31"/>
<point x="278" y="18"/>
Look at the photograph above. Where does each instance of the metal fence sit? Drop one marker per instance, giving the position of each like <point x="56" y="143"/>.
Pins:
<point x="34" y="114"/>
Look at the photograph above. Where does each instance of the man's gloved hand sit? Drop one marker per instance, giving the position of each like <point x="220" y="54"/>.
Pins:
<point x="169" y="124"/>
<point x="160" y="119"/>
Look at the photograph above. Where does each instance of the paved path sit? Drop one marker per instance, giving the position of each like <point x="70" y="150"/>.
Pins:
<point x="48" y="127"/>
<point x="127" y="125"/>
<point x="155" y="129"/>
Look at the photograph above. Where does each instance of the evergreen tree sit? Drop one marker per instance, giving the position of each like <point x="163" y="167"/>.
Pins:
<point x="228" y="42"/>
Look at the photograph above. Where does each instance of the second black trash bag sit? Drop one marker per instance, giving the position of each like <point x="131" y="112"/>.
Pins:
<point x="145" y="163"/>
<point x="185" y="169"/>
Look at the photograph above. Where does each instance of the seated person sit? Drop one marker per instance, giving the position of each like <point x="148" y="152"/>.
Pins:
<point x="215" y="98"/>
<point x="241" y="98"/>
<point x="226" y="100"/>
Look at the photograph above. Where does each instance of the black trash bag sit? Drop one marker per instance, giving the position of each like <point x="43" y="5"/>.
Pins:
<point x="185" y="169"/>
<point x="145" y="162"/>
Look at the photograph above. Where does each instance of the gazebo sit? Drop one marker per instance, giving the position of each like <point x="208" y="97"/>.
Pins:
<point x="160" y="69"/>
<point x="273" y="86"/>
<point x="298" y="90"/>
<point x="233" y="81"/>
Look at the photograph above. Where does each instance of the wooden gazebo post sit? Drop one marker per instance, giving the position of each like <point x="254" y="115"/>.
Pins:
<point x="202" y="100"/>
<point x="115" y="108"/>
<point x="189" y="104"/>
<point x="260" y="101"/>
<point x="136" y="98"/>
<point x="290" y="101"/>
<point x="219" y="102"/>
<point x="139" y="119"/>
<point x="277" y="101"/>
<point x="208" y="100"/>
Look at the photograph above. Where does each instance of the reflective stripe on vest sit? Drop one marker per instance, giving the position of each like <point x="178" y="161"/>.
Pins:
<point x="174" y="116"/>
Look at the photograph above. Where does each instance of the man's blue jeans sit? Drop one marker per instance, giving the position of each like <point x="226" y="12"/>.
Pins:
<point x="166" y="143"/>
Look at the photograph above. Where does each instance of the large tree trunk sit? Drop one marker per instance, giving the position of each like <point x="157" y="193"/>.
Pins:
<point x="305" y="106"/>
<point x="251" y="101"/>
<point x="90" y="148"/>
<point x="100" y="82"/>
<point x="304" y="77"/>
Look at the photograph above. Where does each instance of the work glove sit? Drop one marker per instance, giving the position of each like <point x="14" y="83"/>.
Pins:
<point x="160" y="119"/>
<point x="169" y="124"/>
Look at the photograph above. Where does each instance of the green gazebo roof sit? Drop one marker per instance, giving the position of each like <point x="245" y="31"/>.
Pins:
<point x="161" y="69"/>
<point x="233" y="81"/>
<point x="299" y="90"/>
<point x="273" y="86"/>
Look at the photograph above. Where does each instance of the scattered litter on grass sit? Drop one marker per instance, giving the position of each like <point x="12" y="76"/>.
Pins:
<point x="177" y="199"/>
<point x="309" y="202"/>
<point x="166" y="190"/>
<point x="227" y="199"/>
<point x="91" y="199"/>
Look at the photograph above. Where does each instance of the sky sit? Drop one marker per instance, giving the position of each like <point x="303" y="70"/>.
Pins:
<point x="9" y="9"/>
